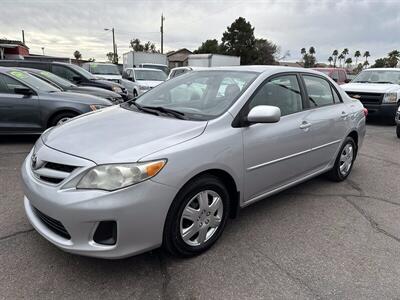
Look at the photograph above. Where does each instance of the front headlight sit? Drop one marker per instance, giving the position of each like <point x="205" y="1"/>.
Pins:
<point x="116" y="176"/>
<point x="117" y="89"/>
<point x="390" y="98"/>
<point x="97" y="106"/>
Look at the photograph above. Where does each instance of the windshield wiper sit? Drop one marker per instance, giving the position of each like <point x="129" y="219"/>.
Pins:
<point x="382" y="82"/>
<point x="131" y="103"/>
<point x="173" y="112"/>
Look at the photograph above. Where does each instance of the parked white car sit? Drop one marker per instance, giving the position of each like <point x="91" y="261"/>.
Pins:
<point x="175" y="72"/>
<point x="111" y="72"/>
<point x="378" y="90"/>
<point x="161" y="67"/>
<point x="146" y="78"/>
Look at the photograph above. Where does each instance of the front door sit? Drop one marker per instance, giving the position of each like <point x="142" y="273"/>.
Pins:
<point x="276" y="154"/>
<point x="18" y="113"/>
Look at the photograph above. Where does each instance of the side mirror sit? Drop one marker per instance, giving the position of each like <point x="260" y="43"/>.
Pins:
<point x="77" y="79"/>
<point x="264" y="114"/>
<point x="23" y="91"/>
<point x="347" y="80"/>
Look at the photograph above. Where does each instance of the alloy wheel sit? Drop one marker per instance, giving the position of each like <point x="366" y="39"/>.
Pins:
<point x="346" y="159"/>
<point x="201" y="218"/>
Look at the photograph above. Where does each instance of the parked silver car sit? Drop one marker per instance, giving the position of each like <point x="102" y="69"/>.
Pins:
<point x="186" y="155"/>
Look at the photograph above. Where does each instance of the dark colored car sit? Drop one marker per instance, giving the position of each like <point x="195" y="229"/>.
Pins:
<point x="70" y="72"/>
<point x="339" y="75"/>
<point x="68" y="86"/>
<point x="29" y="105"/>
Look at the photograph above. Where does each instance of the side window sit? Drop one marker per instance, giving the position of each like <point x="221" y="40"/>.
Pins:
<point x="319" y="91"/>
<point x="335" y="75"/>
<point x="8" y="84"/>
<point x="283" y="92"/>
<point x="64" y="72"/>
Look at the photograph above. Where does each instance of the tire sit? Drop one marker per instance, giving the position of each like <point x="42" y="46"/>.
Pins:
<point x="344" y="161"/>
<point x="61" y="117"/>
<point x="398" y="130"/>
<point x="206" y="221"/>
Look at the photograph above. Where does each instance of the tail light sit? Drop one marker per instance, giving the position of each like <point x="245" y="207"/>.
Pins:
<point x="365" y="111"/>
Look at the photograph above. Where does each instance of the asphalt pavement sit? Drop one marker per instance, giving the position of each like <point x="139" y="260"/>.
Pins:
<point x="318" y="240"/>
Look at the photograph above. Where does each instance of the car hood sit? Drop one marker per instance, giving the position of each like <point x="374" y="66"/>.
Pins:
<point x="149" y="83"/>
<point x="118" y="135"/>
<point x="370" y="87"/>
<point x="74" y="97"/>
<point x="94" y="91"/>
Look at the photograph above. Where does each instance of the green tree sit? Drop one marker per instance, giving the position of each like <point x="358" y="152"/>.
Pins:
<point x="357" y="55"/>
<point x="380" y="63"/>
<point x="366" y="64"/>
<point x="91" y="59"/>
<point x="330" y="59"/>
<point x="366" y="55"/>
<point x="309" y="60"/>
<point x="348" y="62"/>
<point x="239" y="40"/>
<point x="209" y="46"/>
<point x="311" y="51"/>
<point x="393" y="59"/>
<point x="77" y="55"/>
<point x="110" y="57"/>
<point x="148" y="47"/>
<point x="264" y="52"/>
<point x="335" y="56"/>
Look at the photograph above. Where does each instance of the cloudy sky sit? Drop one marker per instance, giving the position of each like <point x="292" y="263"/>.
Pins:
<point x="62" y="27"/>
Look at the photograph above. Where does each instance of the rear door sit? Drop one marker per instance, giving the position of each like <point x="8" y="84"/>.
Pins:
<point x="328" y="119"/>
<point x="18" y="113"/>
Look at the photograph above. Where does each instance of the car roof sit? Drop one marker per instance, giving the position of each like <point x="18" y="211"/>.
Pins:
<point x="146" y="69"/>
<point x="5" y="69"/>
<point x="383" y="69"/>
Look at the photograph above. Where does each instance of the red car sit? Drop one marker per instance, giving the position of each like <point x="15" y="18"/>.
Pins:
<point x="337" y="74"/>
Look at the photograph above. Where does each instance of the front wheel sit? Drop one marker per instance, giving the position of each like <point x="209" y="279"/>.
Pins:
<point x="398" y="130"/>
<point x="196" y="217"/>
<point x="344" y="161"/>
<point x="62" y="118"/>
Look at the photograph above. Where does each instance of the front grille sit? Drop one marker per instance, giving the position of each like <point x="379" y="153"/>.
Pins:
<point x="367" y="98"/>
<point x="59" y="167"/>
<point x="51" y="172"/>
<point x="54" y="225"/>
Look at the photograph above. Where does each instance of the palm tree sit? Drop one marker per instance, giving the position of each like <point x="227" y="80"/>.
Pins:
<point x="345" y="52"/>
<point x="330" y="59"/>
<point x="357" y="54"/>
<point x="335" y="54"/>
<point x="303" y="52"/>
<point x="341" y="56"/>
<point x="348" y="62"/>
<point x="77" y="55"/>
<point x="366" y="55"/>
<point x="393" y="58"/>
<point x="312" y="51"/>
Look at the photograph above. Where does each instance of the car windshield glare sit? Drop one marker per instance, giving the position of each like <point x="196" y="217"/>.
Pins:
<point x="200" y="95"/>
<point x="150" y="75"/>
<point x="103" y="69"/>
<point x="378" y="76"/>
<point x="32" y="81"/>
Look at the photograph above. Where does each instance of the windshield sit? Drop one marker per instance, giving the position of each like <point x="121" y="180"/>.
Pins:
<point x="33" y="81"/>
<point x="163" y="68"/>
<point x="378" y="76"/>
<point x="201" y="95"/>
<point x="56" y="79"/>
<point x="102" y="69"/>
<point x="83" y="72"/>
<point x="150" y="75"/>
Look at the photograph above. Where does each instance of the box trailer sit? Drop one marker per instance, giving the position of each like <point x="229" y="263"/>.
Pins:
<point x="212" y="60"/>
<point x="135" y="59"/>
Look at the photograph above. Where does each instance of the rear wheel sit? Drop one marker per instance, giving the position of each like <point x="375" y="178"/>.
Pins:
<point x="62" y="118"/>
<point x="196" y="217"/>
<point x="398" y="130"/>
<point x="344" y="161"/>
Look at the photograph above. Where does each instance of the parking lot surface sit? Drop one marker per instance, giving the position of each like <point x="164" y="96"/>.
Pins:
<point x="315" y="241"/>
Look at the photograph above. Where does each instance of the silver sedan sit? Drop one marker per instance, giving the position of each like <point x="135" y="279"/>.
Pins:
<point x="169" y="168"/>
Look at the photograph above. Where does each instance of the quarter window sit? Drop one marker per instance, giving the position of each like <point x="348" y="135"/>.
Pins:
<point x="319" y="91"/>
<point x="283" y="92"/>
<point x="64" y="72"/>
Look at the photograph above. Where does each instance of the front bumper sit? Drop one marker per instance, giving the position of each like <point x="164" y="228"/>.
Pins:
<point x="139" y="211"/>
<point x="387" y="111"/>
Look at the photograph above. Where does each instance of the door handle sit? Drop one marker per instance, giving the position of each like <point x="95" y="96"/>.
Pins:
<point x="305" y="125"/>
<point x="344" y="115"/>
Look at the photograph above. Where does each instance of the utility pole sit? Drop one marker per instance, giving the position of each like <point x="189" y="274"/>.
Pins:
<point x="23" y="37"/>
<point x="162" y="33"/>
<point x="115" y="54"/>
